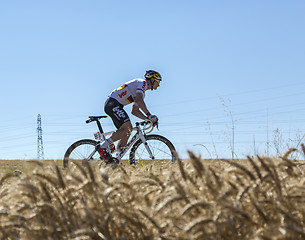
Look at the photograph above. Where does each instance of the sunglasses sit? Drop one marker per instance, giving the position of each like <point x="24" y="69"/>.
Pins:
<point x="158" y="81"/>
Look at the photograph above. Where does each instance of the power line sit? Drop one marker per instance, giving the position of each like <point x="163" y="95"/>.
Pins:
<point x="232" y="94"/>
<point x="235" y="105"/>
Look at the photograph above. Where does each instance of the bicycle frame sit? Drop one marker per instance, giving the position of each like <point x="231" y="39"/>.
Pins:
<point x="140" y="134"/>
<point x="140" y="147"/>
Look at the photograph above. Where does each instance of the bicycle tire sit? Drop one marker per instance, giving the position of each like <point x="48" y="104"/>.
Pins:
<point x="81" y="150"/>
<point x="160" y="146"/>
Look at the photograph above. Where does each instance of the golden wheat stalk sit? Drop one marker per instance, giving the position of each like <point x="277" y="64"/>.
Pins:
<point x="197" y="223"/>
<point x="166" y="202"/>
<point x="244" y="169"/>
<point x="303" y="148"/>
<point x="196" y="204"/>
<point x="256" y="168"/>
<point x="218" y="181"/>
<point x="286" y="155"/>
<point x="157" y="202"/>
<point x="197" y="164"/>
<point x="181" y="168"/>
<point x="60" y="178"/>
<point x="273" y="174"/>
<point x="244" y="215"/>
<point x="241" y="194"/>
<point x="8" y="176"/>
<point x="259" y="210"/>
<point x="296" y="229"/>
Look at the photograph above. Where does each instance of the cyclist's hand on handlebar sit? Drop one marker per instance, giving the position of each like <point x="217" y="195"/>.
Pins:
<point x="154" y="119"/>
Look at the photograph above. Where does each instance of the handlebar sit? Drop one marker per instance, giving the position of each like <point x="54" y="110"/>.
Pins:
<point x="148" y="123"/>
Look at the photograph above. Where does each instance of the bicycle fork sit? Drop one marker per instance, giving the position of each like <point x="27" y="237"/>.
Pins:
<point x="143" y="139"/>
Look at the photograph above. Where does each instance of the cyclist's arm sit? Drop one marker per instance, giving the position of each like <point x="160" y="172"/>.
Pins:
<point x="140" y="104"/>
<point x="136" y="111"/>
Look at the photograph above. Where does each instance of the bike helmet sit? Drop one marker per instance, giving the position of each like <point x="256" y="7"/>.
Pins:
<point x="152" y="75"/>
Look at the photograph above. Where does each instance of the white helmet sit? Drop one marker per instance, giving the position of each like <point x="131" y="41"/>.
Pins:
<point x="152" y="76"/>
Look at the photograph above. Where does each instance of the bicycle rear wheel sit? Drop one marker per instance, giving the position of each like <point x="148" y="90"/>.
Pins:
<point x="160" y="147"/>
<point x="82" y="150"/>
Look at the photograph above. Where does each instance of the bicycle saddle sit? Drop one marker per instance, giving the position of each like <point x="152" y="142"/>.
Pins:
<point x="94" y="118"/>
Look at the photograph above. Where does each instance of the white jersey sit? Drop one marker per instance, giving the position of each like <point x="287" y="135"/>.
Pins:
<point x="126" y="93"/>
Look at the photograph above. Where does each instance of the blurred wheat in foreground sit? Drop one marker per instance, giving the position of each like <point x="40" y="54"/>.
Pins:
<point x="261" y="199"/>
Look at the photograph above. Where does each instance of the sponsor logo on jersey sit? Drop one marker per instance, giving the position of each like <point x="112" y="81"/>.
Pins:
<point x="144" y="86"/>
<point x="122" y="94"/>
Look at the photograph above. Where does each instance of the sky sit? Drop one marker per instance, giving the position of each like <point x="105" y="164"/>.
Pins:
<point x="233" y="72"/>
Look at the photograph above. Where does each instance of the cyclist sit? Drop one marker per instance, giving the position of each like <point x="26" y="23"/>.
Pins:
<point x="130" y="92"/>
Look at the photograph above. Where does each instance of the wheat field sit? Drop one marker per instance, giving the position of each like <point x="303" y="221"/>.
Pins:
<point x="259" y="198"/>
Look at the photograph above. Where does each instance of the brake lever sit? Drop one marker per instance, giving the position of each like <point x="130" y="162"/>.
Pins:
<point x="156" y="124"/>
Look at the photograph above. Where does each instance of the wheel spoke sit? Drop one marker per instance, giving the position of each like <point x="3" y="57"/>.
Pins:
<point x="83" y="149"/>
<point x="159" y="147"/>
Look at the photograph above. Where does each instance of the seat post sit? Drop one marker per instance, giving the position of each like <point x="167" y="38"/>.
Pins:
<point x="99" y="126"/>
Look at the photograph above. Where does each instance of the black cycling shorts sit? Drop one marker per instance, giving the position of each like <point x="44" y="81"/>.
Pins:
<point x="115" y="110"/>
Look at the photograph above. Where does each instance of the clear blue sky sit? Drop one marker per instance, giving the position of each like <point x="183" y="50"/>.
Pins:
<point x="220" y="61"/>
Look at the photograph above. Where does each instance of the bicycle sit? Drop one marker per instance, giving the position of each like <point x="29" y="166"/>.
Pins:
<point x="143" y="146"/>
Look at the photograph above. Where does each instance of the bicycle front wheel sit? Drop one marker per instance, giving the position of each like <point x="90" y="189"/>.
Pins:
<point x="82" y="150"/>
<point x="158" y="148"/>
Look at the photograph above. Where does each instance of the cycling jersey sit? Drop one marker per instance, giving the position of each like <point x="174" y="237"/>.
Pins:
<point x="126" y="93"/>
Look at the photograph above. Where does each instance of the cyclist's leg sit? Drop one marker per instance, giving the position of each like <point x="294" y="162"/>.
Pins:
<point x="113" y="109"/>
<point x="122" y="122"/>
<point x="122" y="135"/>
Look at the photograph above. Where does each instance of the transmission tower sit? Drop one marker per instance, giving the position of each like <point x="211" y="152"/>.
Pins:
<point x="40" y="154"/>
